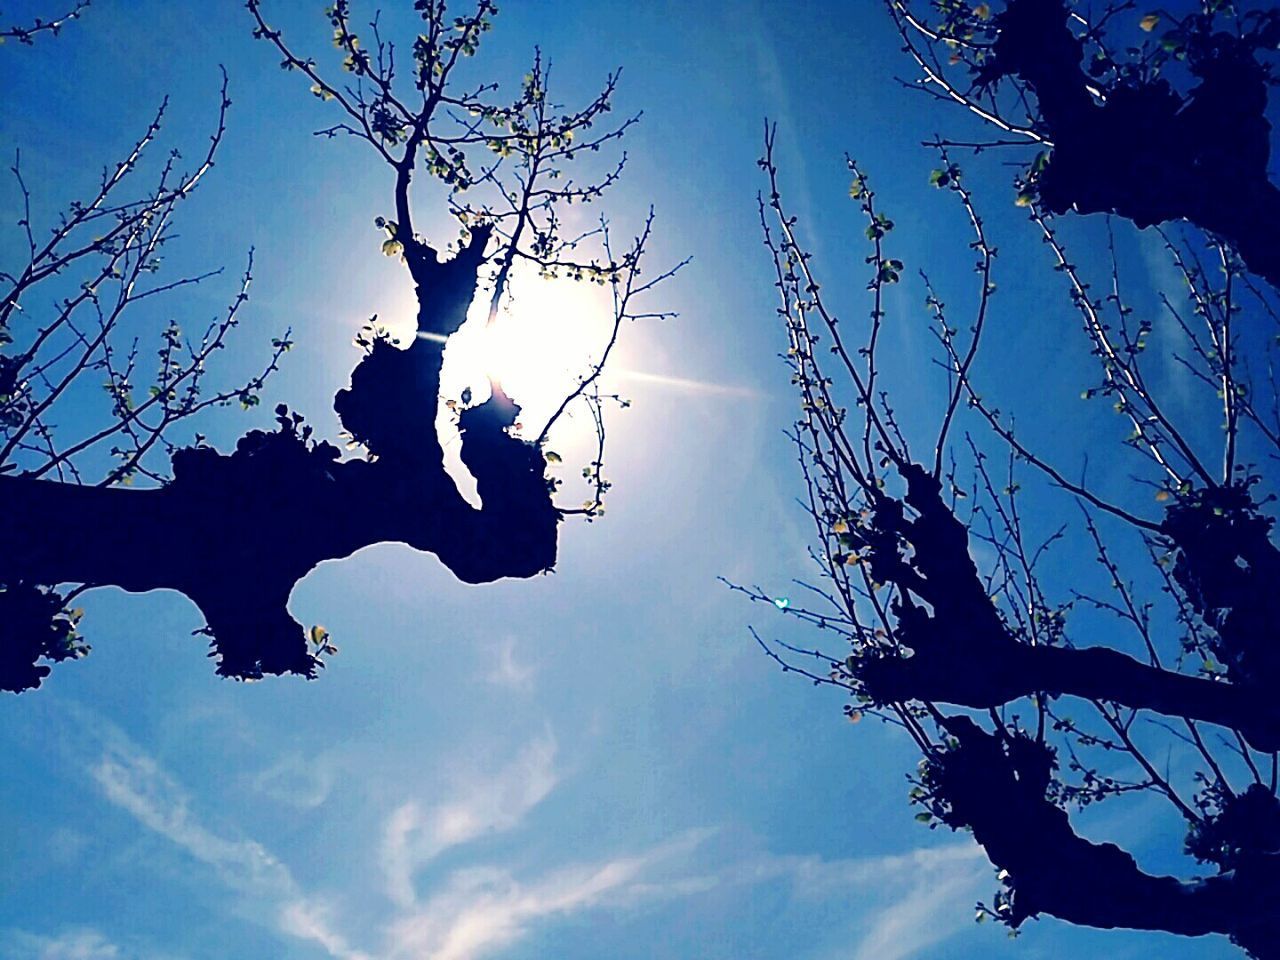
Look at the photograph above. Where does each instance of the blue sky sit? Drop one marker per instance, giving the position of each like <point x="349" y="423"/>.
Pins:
<point x="594" y="763"/>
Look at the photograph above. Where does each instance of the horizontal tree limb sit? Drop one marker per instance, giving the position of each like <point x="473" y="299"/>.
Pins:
<point x="983" y="674"/>
<point x="236" y="532"/>
<point x="962" y="653"/>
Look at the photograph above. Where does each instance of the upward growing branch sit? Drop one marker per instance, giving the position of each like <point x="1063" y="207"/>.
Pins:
<point x="255" y="521"/>
<point x="944" y="608"/>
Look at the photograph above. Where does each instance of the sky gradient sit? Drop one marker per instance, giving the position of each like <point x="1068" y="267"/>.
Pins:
<point x="594" y="763"/>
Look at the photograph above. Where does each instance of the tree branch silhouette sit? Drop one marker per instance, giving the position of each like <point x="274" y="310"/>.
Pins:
<point x="1121" y="134"/>
<point x="26" y="33"/>
<point x="939" y="591"/>
<point x="254" y="521"/>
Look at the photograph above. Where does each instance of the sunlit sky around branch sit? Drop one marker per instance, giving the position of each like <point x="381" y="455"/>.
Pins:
<point x="595" y="763"/>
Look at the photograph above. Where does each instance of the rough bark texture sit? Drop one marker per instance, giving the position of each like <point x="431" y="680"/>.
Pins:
<point x="235" y="532"/>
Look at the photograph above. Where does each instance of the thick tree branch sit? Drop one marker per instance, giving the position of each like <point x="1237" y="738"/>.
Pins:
<point x="963" y="653"/>
<point x="995" y="785"/>
<point x="236" y="532"/>
<point x="1146" y="152"/>
<point x="253" y="523"/>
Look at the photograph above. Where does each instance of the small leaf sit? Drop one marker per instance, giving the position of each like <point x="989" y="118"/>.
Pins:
<point x="392" y="248"/>
<point x="781" y="602"/>
<point x="1149" y="22"/>
<point x="552" y="456"/>
<point x="1162" y="496"/>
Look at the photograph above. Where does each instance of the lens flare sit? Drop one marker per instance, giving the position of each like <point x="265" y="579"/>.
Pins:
<point x="538" y="347"/>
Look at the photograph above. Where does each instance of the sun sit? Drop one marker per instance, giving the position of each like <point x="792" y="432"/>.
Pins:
<point x="544" y="339"/>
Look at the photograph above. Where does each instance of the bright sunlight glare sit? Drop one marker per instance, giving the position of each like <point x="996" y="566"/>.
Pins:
<point x="543" y="341"/>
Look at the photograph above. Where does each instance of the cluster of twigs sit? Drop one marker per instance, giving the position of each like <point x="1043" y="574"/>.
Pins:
<point x="265" y="514"/>
<point x="978" y="662"/>
<point x="97" y="264"/>
<point x="507" y="167"/>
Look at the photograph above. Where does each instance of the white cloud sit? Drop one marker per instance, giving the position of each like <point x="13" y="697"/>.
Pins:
<point x="482" y="803"/>
<point x="297" y="781"/>
<point x="507" y="671"/>
<point x="943" y="885"/>
<point x="477" y="909"/>
<point x="133" y="781"/>
<point x="815" y="877"/>
<point x="86" y="944"/>
<point x="310" y="921"/>
<point x="481" y="910"/>
<point x="906" y="903"/>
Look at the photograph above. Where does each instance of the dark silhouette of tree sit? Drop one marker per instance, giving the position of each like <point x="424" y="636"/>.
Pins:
<point x="1030" y="691"/>
<point x="1154" y="116"/>
<point x="234" y="532"/>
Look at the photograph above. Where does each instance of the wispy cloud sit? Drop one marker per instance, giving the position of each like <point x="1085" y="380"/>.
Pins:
<point x="297" y="781"/>
<point x="507" y="670"/>
<point x="480" y="911"/>
<point x="83" y="944"/>
<point x="482" y="803"/>
<point x="914" y="900"/>
<point x="310" y="921"/>
<point x="944" y="883"/>
<point x="906" y="902"/>
<point x="135" y="782"/>
<point x="475" y="911"/>
<point x="814" y="876"/>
